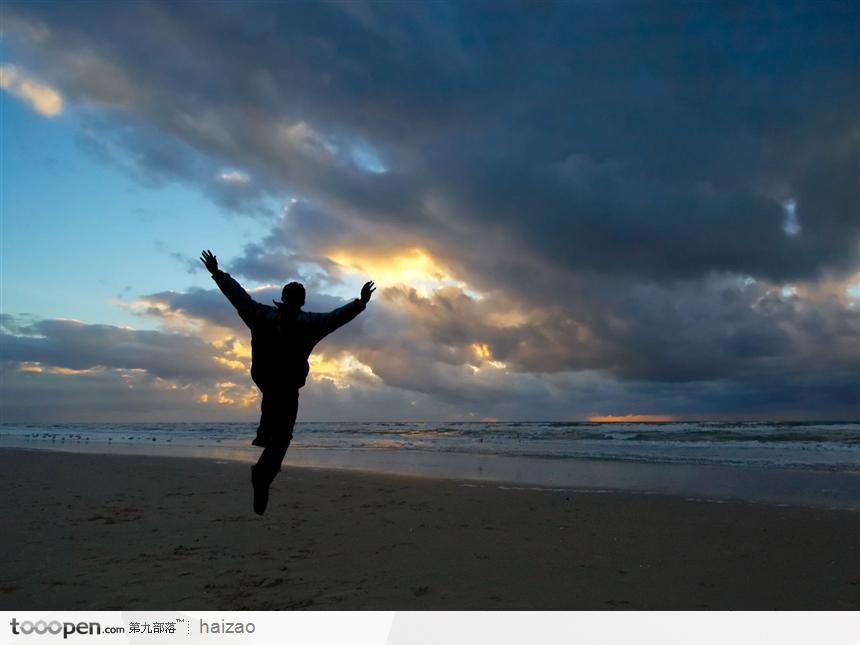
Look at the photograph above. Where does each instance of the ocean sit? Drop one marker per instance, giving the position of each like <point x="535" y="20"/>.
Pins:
<point x="775" y="461"/>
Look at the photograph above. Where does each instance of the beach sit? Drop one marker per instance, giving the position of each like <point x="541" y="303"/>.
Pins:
<point x="91" y="531"/>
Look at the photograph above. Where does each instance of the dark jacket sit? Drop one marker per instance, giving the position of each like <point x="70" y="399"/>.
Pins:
<point x="280" y="341"/>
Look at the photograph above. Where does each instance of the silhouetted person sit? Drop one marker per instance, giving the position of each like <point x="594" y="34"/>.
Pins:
<point x="282" y="338"/>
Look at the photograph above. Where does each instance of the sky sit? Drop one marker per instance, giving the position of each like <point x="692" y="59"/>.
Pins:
<point x="572" y="211"/>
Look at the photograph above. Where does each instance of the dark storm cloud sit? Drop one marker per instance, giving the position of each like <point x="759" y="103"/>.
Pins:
<point x="647" y="139"/>
<point x="729" y="329"/>
<point x="100" y="395"/>
<point x="79" y="346"/>
<point x="613" y="170"/>
<point x="158" y="161"/>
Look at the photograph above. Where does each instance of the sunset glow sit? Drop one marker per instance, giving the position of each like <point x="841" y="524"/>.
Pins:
<point x="413" y="267"/>
<point x="632" y="418"/>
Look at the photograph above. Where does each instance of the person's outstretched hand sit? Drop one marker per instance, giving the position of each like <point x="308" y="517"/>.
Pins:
<point x="210" y="261"/>
<point x="366" y="290"/>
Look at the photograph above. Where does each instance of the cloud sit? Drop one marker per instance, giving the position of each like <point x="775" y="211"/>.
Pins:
<point x="687" y="346"/>
<point x="446" y="355"/>
<point x="561" y="196"/>
<point x="100" y="395"/>
<point x="43" y="99"/>
<point x="234" y="177"/>
<point x="645" y="151"/>
<point x="78" y="346"/>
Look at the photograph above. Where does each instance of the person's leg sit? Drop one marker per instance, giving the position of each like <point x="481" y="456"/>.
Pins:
<point x="267" y="413"/>
<point x="282" y="411"/>
<point x="269" y="464"/>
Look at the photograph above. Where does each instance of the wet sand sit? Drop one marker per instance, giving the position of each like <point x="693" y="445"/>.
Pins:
<point x="87" y="531"/>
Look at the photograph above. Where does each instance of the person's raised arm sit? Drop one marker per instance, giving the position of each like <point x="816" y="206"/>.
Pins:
<point x="342" y="315"/>
<point x="237" y="296"/>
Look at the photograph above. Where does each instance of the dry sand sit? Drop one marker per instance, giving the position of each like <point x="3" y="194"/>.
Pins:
<point x="134" y="533"/>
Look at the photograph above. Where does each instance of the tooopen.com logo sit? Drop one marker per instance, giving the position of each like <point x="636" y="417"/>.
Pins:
<point x="55" y="627"/>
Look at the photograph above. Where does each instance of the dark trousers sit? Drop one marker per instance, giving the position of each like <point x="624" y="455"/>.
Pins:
<point x="277" y="417"/>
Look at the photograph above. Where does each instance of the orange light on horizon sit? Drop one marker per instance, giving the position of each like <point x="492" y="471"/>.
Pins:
<point x="631" y="418"/>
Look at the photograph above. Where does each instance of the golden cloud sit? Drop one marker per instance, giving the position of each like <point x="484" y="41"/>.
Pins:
<point x="43" y="99"/>
<point x="37" y="368"/>
<point x="414" y="267"/>
<point x="339" y="370"/>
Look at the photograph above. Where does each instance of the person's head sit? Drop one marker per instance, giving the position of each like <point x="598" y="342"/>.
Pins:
<point x="293" y="295"/>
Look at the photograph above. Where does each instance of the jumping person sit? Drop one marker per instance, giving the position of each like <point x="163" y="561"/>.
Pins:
<point x="282" y="338"/>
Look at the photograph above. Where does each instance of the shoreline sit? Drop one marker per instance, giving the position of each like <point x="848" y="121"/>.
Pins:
<point x="93" y="532"/>
<point x="742" y="483"/>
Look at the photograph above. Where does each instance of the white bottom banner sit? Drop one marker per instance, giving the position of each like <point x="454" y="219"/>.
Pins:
<point x="432" y="628"/>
